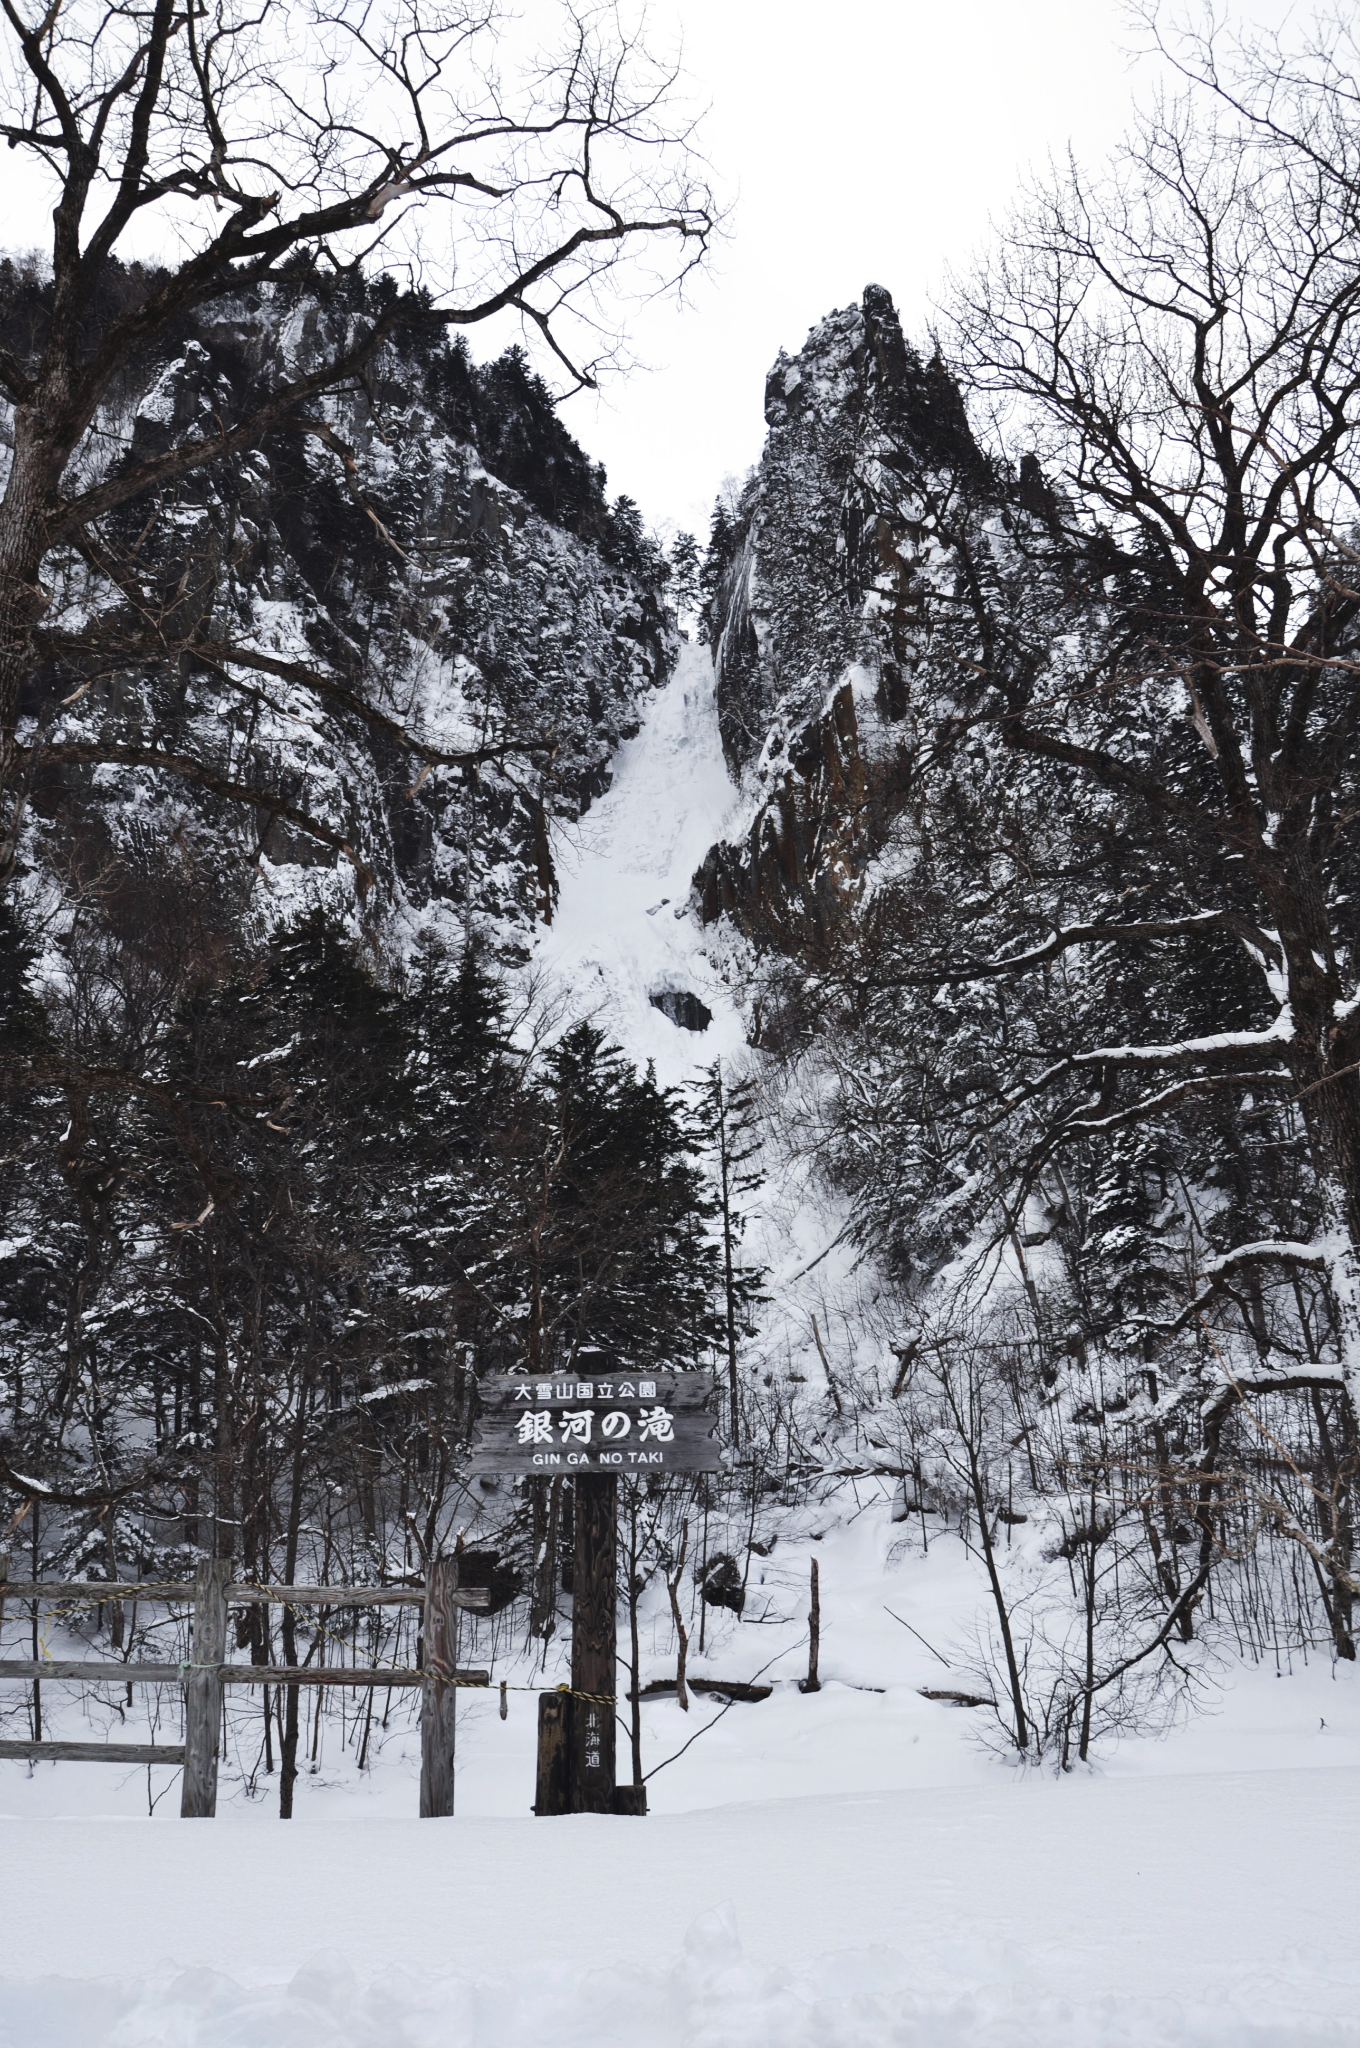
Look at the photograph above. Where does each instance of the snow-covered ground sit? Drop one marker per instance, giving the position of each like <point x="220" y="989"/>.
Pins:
<point x="893" y="1621"/>
<point x="844" y="1870"/>
<point x="1020" y="1914"/>
<point x="850" y="1869"/>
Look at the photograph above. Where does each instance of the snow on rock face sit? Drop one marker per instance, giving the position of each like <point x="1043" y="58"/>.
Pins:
<point x="821" y="617"/>
<point x="465" y="579"/>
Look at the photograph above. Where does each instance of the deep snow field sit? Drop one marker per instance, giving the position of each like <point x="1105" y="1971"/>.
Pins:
<point x="850" y="1869"/>
<point x="842" y="1870"/>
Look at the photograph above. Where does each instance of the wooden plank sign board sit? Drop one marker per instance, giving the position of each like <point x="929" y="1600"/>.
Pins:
<point x="613" y="1423"/>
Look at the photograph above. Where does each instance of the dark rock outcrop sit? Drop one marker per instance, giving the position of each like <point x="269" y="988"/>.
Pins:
<point x="447" y="555"/>
<point x="683" y="1008"/>
<point x="824" y="609"/>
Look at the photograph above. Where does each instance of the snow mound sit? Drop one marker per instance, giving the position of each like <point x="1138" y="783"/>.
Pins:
<point x="710" y="1996"/>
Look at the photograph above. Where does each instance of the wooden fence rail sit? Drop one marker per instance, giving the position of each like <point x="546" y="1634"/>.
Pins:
<point x="166" y="1592"/>
<point x="231" y="1674"/>
<point x="96" y="1752"/>
<point x="205" y="1672"/>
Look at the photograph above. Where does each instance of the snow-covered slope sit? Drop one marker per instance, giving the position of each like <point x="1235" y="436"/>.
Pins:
<point x="623" y="930"/>
<point x="840" y="1870"/>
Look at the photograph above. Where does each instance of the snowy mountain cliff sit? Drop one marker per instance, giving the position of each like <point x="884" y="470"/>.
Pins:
<point x="443" y="963"/>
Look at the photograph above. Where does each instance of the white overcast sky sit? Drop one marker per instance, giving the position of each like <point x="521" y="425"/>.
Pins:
<point x="865" y="142"/>
<point x="869" y="141"/>
<point x="859" y="141"/>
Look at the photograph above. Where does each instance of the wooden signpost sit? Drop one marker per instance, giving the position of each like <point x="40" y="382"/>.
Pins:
<point x="614" y="1423"/>
<point x="591" y="1429"/>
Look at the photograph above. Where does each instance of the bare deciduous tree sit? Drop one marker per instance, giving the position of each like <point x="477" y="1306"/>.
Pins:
<point x="271" y="146"/>
<point x="1174" y="347"/>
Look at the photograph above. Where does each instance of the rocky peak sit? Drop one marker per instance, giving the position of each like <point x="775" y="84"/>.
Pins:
<point x="821" y="613"/>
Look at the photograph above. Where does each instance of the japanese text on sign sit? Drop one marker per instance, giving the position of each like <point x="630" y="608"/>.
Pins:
<point x="620" y="1423"/>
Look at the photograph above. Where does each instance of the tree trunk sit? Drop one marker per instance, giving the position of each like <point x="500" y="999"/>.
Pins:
<point x="41" y="452"/>
<point x="634" y="1655"/>
<point x="288" y="1740"/>
<point x="1089" y="1593"/>
<point x="729" y="1275"/>
<point x="547" y="1520"/>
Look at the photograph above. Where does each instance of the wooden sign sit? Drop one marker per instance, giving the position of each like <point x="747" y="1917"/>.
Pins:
<point x="611" y="1424"/>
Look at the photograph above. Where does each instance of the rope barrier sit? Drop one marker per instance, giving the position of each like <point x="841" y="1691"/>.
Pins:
<point x="63" y="1611"/>
<point x="186" y="1665"/>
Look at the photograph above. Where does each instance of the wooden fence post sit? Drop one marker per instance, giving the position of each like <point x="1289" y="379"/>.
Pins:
<point x="438" y="1701"/>
<point x="203" y="1692"/>
<point x="812" y="1683"/>
<point x="553" y="1790"/>
<point x="594" y="1643"/>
